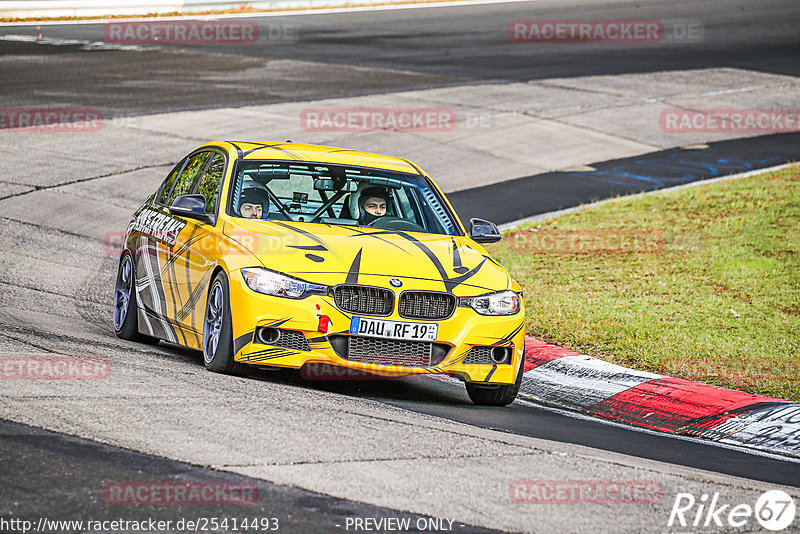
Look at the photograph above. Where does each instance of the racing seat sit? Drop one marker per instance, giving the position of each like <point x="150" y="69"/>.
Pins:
<point x="345" y="214"/>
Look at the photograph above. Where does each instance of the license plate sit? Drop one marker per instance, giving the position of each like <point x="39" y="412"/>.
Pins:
<point x="363" y="326"/>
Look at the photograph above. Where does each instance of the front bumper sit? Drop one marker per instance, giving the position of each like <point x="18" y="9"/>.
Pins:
<point x="457" y="335"/>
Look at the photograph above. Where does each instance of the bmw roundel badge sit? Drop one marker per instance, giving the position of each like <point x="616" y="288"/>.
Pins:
<point x="396" y="282"/>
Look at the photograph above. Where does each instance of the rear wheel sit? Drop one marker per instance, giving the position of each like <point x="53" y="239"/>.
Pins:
<point x="496" y="395"/>
<point x="218" y="330"/>
<point x="126" y="314"/>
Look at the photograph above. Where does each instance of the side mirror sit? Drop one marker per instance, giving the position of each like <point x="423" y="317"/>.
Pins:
<point x="483" y="231"/>
<point x="192" y="207"/>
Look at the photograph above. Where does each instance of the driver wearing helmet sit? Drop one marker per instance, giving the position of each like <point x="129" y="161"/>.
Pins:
<point x="253" y="203"/>
<point x="373" y="204"/>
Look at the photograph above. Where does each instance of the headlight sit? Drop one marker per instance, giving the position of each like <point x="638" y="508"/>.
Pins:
<point x="503" y="303"/>
<point x="272" y="283"/>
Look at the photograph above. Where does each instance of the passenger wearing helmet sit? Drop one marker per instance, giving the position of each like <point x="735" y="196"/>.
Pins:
<point x="373" y="204"/>
<point x="253" y="203"/>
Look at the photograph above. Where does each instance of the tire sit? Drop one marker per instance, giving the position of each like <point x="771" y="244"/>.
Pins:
<point x="497" y="395"/>
<point x="218" y="330"/>
<point x="126" y="313"/>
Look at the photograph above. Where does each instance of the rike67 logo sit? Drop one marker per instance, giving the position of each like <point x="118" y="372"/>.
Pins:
<point x="774" y="510"/>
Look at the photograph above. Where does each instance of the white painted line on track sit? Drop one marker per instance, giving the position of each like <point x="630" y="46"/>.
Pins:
<point x="288" y="13"/>
<point x="560" y="213"/>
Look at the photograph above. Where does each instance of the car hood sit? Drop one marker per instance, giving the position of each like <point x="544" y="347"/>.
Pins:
<point x="333" y="254"/>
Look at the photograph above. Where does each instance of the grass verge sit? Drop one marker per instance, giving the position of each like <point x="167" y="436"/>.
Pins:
<point x="701" y="283"/>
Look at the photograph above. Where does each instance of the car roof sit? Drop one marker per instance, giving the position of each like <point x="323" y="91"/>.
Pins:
<point x="255" y="150"/>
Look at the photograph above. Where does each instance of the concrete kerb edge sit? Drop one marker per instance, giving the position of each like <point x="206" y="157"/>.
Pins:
<point x="567" y="380"/>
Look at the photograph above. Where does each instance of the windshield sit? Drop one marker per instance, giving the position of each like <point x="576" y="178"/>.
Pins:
<point x="333" y="194"/>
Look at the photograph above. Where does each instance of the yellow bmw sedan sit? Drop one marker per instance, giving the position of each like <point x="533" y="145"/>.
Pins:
<point x="290" y="255"/>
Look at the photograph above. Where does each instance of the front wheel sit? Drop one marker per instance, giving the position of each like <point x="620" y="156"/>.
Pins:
<point x="504" y="395"/>
<point x="218" y="330"/>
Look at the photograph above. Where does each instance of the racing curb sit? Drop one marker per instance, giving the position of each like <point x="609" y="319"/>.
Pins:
<point x="567" y="379"/>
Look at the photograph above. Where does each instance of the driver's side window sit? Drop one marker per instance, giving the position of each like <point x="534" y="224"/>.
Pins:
<point x="209" y="184"/>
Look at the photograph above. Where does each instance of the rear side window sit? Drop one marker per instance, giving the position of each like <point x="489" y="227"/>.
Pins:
<point x="189" y="175"/>
<point x="209" y="184"/>
<point x="169" y="182"/>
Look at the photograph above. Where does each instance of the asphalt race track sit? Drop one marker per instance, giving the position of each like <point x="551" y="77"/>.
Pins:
<point x="386" y="51"/>
<point x="648" y="172"/>
<point x="57" y="464"/>
<point x="324" y="453"/>
<point x="527" y="419"/>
